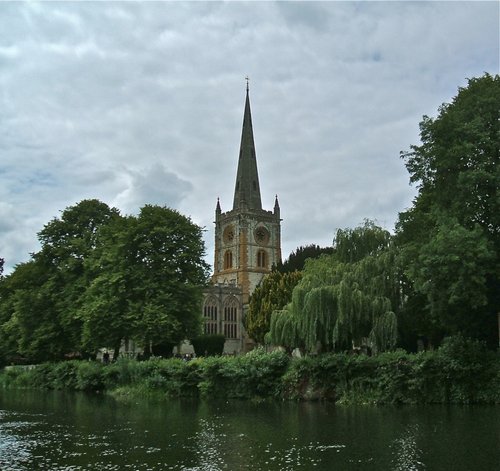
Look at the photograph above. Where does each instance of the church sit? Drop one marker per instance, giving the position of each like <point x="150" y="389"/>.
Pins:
<point x="247" y="245"/>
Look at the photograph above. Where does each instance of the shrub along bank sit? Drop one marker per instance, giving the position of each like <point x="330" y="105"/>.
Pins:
<point x="461" y="372"/>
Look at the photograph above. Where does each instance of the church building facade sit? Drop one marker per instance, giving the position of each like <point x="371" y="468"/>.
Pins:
<point x="247" y="245"/>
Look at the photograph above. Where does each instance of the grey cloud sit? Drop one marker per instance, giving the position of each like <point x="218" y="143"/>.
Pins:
<point x="154" y="185"/>
<point x="142" y="102"/>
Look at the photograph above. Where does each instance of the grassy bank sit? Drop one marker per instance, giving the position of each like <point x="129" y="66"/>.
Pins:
<point x="460" y="372"/>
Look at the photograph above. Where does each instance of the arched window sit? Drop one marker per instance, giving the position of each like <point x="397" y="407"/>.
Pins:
<point x="210" y="315"/>
<point x="228" y="260"/>
<point x="231" y="318"/>
<point x="261" y="259"/>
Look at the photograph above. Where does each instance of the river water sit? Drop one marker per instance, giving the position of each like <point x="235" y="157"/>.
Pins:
<point x="64" y="431"/>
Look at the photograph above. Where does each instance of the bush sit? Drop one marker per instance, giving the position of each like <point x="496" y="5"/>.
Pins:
<point x="468" y="369"/>
<point x="174" y="377"/>
<point x="89" y="376"/>
<point x="64" y="376"/>
<point x="124" y="372"/>
<point x="254" y="375"/>
<point x="461" y="371"/>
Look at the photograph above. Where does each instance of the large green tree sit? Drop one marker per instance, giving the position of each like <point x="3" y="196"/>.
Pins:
<point x="67" y="242"/>
<point x="147" y="277"/>
<point x="450" y="238"/>
<point x="40" y="299"/>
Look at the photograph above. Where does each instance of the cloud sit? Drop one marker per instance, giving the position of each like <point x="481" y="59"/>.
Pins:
<point x="142" y="102"/>
<point x="153" y="185"/>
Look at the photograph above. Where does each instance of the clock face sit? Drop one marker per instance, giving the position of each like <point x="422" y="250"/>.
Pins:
<point x="228" y="235"/>
<point x="261" y="235"/>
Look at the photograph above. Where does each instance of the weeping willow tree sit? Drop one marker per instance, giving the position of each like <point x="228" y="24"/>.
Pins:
<point x="345" y="298"/>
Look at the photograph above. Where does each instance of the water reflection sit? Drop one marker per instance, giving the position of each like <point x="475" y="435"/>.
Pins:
<point x="406" y="452"/>
<point x="208" y="445"/>
<point x="77" y="432"/>
<point x="217" y="450"/>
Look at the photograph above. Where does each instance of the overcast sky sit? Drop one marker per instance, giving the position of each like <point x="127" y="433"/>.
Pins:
<point x="142" y="102"/>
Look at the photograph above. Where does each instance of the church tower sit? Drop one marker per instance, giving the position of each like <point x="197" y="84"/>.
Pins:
<point x="247" y="238"/>
<point x="247" y="245"/>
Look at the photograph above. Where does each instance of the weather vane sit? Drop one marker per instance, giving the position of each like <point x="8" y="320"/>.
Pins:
<point x="247" y="79"/>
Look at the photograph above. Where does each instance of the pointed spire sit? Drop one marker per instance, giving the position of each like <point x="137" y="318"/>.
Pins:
<point x="276" y="207"/>
<point x="217" y="208"/>
<point x="247" y="189"/>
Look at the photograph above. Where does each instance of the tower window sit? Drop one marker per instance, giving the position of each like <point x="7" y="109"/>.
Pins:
<point x="228" y="260"/>
<point x="262" y="259"/>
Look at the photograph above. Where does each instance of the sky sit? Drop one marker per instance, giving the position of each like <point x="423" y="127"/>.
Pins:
<point x="138" y="103"/>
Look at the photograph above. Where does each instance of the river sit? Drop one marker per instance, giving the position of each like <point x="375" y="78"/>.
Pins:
<point x="63" y="431"/>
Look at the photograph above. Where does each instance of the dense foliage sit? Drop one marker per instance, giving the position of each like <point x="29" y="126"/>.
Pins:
<point x="450" y="238"/>
<point x="100" y="278"/>
<point x="297" y="259"/>
<point x="273" y="293"/>
<point x="461" y="372"/>
<point x="349" y="297"/>
<point x="440" y="274"/>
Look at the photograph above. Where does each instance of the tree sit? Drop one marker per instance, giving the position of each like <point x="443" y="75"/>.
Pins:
<point x="67" y="242"/>
<point x="297" y="259"/>
<point x="40" y="298"/>
<point x="273" y="293"/>
<point x="100" y="278"/>
<point x="450" y="238"/>
<point x="344" y="298"/>
<point x="28" y="330"/>
<point x="147" y="276"/>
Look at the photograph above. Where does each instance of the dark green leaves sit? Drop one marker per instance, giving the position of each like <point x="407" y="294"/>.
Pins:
<point x="100" y="278"/>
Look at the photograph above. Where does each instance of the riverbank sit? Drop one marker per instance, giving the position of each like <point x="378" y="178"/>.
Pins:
<point x="460" y="372"/>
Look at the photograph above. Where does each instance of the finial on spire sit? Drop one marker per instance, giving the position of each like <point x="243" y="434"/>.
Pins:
<point x="247" y="79"/>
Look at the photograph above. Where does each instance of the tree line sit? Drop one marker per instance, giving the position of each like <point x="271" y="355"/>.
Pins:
<point x="101" y="277"/>
<point x="437" y="276"/>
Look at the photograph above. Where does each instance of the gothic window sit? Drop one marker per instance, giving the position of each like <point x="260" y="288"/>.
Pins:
<point x="228" y="260"/>
<point x="210" y="315"/>
<point x="261" y="259"/>
<point x="231" y="318"/>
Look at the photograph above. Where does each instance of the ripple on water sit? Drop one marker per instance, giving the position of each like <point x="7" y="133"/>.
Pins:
<point x="212" y="448"/>
<point x="406" y="453"/>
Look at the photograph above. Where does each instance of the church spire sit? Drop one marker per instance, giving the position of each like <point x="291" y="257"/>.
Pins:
<point x="247" y="190"/>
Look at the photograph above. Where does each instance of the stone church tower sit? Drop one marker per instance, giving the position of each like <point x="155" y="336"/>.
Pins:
<point x="247" y="245"/>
